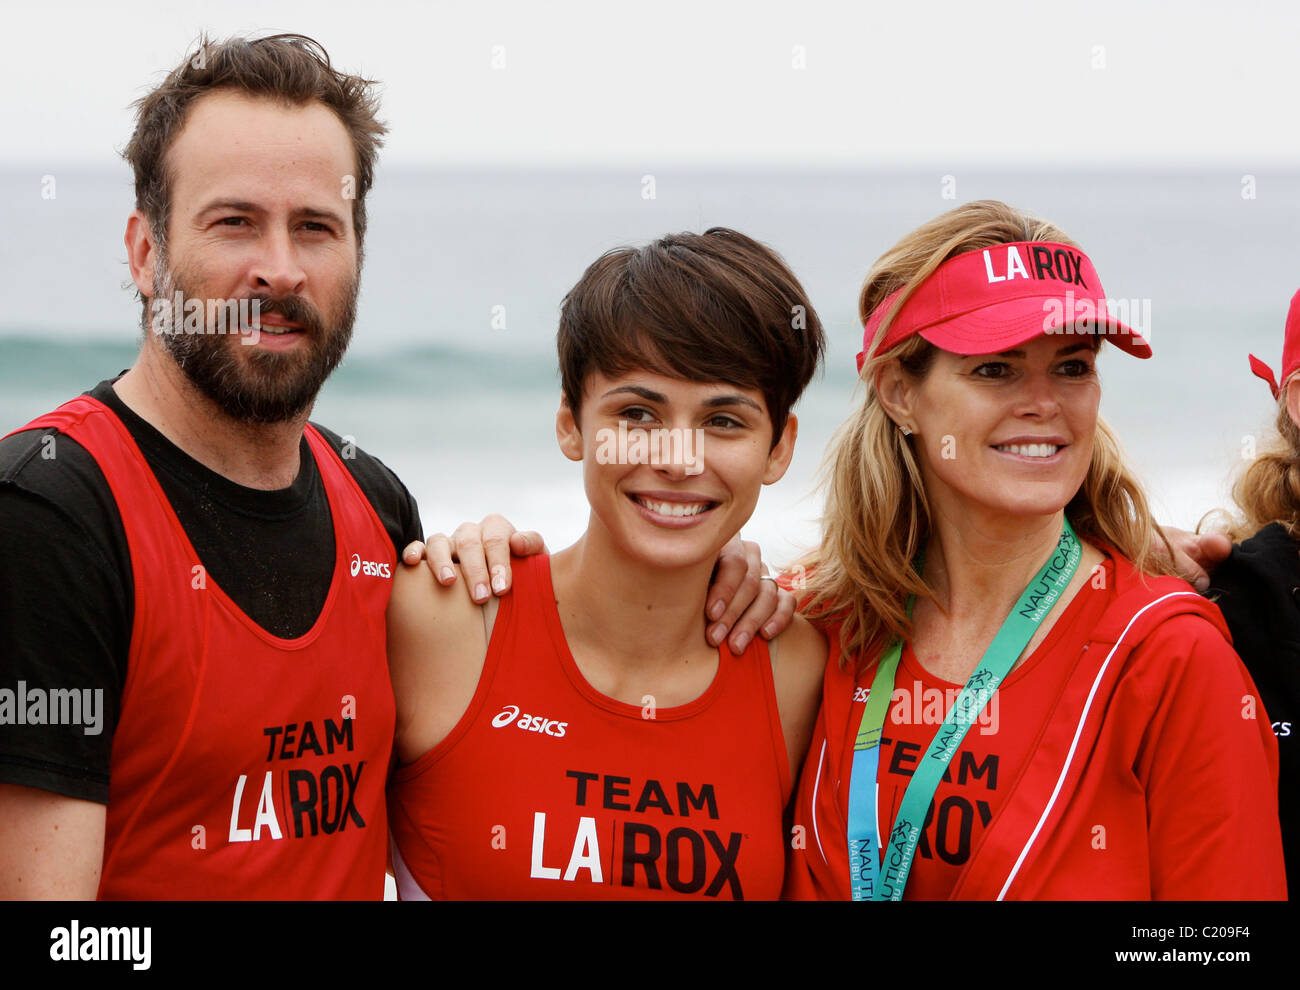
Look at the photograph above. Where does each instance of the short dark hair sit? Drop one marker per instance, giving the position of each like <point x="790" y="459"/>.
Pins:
<point x="291" y="68"/>
<point x="711" y="307"/>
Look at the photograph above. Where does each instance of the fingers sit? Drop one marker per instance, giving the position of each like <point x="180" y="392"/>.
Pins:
<point x="497" y="531"/>
<point x="469" y="540"/>
<point x="439" y="556"/>
<point x="1186" y="562"/>
<point x="784" y="614"/>
<point x="772" y="610"/>
<point x="436" y="554"/>
<point x="728" y="577"/>
<point x="483" y="549"/>
<point x="1214" y="548"/>
<point x="737" y="589"/>
<point x="526" y="543"/>
<point x="1196" y="556"/>
<point x="1191" y="571"/>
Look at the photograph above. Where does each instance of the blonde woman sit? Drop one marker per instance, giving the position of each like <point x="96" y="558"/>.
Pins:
<point x="1258" y="587"/>
<point x="1024" y="706"/>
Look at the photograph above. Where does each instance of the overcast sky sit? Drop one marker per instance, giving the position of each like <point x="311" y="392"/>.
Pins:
<point x="752" y="84"/>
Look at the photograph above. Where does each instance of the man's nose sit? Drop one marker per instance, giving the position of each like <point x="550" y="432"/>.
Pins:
<point x="277" y="269"/>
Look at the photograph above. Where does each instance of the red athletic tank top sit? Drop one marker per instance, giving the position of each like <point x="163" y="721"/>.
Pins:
<point x="548" y="789"/>
<point x="244" y="765"/>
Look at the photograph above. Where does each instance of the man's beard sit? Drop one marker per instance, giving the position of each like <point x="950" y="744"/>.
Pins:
<point x="261" y="386"/>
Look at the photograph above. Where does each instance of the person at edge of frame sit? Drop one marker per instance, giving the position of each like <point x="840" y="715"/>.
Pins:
<point x="1258" y="586"/>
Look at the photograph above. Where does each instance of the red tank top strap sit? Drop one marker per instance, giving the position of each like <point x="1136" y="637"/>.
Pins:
<point x="72" y="412"/>
<point x="346" y="493"/>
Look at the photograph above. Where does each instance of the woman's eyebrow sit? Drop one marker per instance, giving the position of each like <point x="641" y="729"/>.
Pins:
<point x="652" y="396"/>
<point x="648" y="394"/>
<point x="732" y="400"/>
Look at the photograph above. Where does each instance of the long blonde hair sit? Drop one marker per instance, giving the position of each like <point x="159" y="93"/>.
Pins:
<point x="1268" y="490"/>
<point x="877" y="516"/>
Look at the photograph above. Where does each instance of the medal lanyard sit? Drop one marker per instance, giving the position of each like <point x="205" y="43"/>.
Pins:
<point x="869" y="877"/>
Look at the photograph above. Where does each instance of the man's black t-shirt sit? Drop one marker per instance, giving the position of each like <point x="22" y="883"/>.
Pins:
<point x="66" y="590"/>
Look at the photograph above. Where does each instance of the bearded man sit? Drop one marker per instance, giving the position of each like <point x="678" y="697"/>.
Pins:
<point x="183" y="554"/>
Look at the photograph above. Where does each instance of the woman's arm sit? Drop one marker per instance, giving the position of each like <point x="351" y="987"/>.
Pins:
<point x="437" y="642"/>
<point x="798" y="668"/>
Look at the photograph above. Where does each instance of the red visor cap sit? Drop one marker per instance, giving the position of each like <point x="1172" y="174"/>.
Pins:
<point x="996" y="298"/>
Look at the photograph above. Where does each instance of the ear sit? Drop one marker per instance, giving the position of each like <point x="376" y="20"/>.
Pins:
<point x="567" y="433"/>
<point x="778" y="461"/>
<point x="1293" y="399"/>
<point x="141" y="252"/>
<point x="895" y="392"/>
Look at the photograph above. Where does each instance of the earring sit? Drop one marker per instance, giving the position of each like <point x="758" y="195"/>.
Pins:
<point x="906" y="431"/>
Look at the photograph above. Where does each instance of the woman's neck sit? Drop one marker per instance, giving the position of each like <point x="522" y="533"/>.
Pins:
<point x="978" y="567"/>
<point x="633" y="627"/>
<point x="979" y="564"/>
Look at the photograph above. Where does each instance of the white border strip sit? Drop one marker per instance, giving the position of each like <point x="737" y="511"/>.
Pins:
<point x="816" y="784"/>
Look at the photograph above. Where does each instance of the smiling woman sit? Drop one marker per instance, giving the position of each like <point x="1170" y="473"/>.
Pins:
<point x="584" y="742"/>
<point x="985" y="543"/>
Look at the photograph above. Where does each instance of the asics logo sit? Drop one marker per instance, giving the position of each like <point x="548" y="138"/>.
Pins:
<point x="370" y="568"/>
<point x="528" y="723"/>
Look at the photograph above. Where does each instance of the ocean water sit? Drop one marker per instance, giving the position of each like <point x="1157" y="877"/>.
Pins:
<point x="464" y="413"/>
